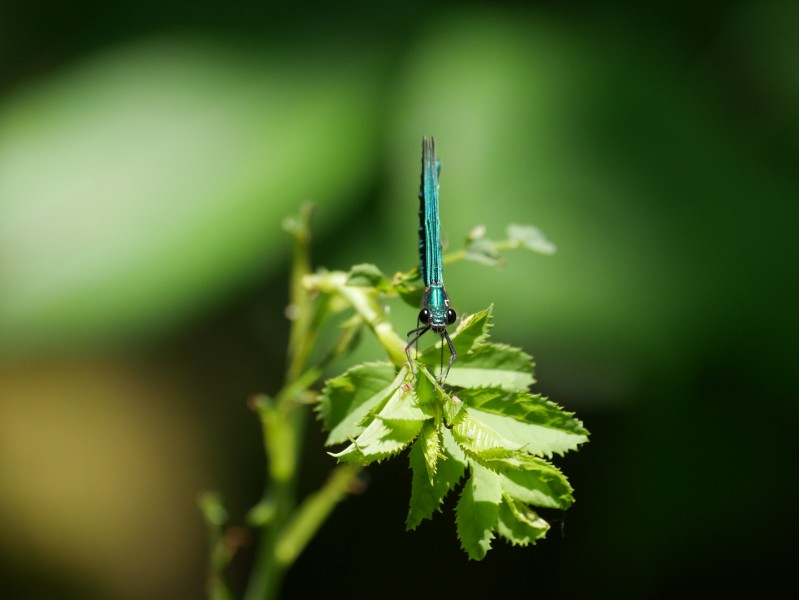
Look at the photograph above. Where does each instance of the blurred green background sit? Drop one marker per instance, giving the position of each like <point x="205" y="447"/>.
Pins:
<point x="148" y="154"/>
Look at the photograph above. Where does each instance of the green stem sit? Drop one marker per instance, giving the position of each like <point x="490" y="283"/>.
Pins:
<point x="284" y="422"/>
<point x="458" y="255"/>
<point x="286" y="529"/>
<point x="363" y="301"/>
<point x="220" y="553"/>
<point x="300" y="302"/>
<point x="312" y="513"/>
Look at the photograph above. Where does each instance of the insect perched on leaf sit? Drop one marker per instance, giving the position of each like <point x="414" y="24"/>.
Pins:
<point x="436" y="313"/>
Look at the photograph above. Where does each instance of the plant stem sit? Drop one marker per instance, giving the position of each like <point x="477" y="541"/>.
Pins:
<point x="286" y="529"/>
<point x="459" y="255"/>
<point x="362" y="300"/>
<point x="314" y="510"/>
<point x="286" y="420"/>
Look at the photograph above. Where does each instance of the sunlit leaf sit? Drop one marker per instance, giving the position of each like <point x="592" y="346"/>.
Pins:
<point x="348" y="398"/>
<point x="541" y="440"/>
<point x="471" y="332"/>
<point x="519" y="524"/>
<point x="390" y="430"/>
<point x="523" y="406"/>
<point x="427" y="496"/>
<point x="539" y="483"/>
<point x="493" y="365"/>
<point x="430" y="442"/>
<point x="478" y="439"/>
<point x="531" y="238"/>
<point x="380" y="440"/>
<point x="477" y="511"/>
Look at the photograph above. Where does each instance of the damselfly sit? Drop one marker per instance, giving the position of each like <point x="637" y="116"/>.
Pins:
<point x="436" y="313"/>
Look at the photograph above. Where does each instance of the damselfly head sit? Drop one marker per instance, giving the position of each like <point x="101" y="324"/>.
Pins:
<point x="438" y="321"/>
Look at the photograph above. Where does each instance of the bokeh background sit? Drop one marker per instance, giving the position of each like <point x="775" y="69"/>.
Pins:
<point x="148" y="154"/>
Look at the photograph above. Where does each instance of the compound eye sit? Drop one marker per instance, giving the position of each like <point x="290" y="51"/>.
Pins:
<point x="451" y="316"/>
<point x="424" y="316"/>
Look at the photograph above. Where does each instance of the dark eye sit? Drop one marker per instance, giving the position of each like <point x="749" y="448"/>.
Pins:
<point x="424" y="316"/>
<point x="451" y="316"/>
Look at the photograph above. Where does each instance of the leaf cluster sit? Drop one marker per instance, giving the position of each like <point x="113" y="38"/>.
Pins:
<point x="484" y="433"/>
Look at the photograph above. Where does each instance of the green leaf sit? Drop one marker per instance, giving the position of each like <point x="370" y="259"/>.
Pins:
<point x="453" y="406"/>
<point x="451" y="447"/>
<point x="522" y="406"/>
<point x="177" y="157"/>
<point x="531" y="238"/>
<point x="502" y="461"/>
<point x="426" y="495"/>
<point x="411" y="294"/>
<point x="530" y="422"/>
<point x="539" y="484"/>
<point x="429" y="391"/>
<point x="406" y="408"/>
<point x="519" y="524"/>
<point x="471" y="332"/>
<point x="493" y="365"/>
<point x="213" y="509"/>
<point x="346" y="400"/>
<point x="390" y="430"/>
<point x="479" y="440"/>
<point x="477" y="511"/>
<point x="366" y="275"/>
<point x="280" y="440"/>
<point x="380" y="440"/>
<point x="430" y="441"/>
<point x="476" y="233"/>
<point x="535" y="439"/>
<point x="483" y="251"/>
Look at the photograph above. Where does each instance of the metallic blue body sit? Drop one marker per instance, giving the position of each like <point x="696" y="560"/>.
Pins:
<point x="436" y="313"/>
<point x="435" y="297"/>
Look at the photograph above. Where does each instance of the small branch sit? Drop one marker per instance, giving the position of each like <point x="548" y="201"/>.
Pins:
<point x="312" y="513"/>
<point x="363" y="301"/>
<point x="283" y="421"/>
<point x="300" y="302"/>
<point x="221" y="552"/>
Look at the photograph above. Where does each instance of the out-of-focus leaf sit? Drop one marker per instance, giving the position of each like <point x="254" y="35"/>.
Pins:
<point x="366" y="275"/>
<point x="483" y="251"/>
<point x="145" y="182"/>
<point x="531" y="238"/>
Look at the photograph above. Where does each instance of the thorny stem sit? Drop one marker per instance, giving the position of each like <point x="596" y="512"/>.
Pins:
<point x="458" y="255"/>
<point x="283" y="421"/>
<point x="362" y="300"/>
<point x="285" y="528"/>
